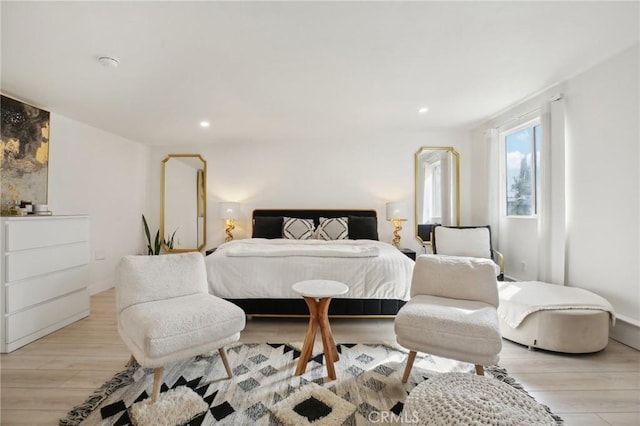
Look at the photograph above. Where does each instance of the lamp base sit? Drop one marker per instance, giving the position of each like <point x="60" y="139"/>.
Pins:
<point x="230" y="227"/>
<point x="397" y="227"/>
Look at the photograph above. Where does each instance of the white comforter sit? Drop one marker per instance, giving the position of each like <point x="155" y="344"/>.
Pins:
<point x="260" y="268"/>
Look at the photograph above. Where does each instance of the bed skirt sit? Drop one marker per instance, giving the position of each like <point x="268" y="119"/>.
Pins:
<point x="337" y="308"/>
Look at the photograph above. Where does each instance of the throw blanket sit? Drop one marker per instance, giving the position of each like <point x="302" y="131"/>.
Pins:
<point x="315" y="248"/>
<point x="520" y="299"/>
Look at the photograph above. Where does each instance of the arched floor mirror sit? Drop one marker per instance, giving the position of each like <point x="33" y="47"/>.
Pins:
<point x="183" y="216"/>
<point x="437" y="190"/>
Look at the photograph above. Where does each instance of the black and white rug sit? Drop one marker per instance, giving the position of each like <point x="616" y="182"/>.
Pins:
<point x="264" y="390"/>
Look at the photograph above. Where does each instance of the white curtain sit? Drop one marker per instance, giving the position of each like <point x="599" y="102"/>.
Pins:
<point x="492" y="143"/>
<point x="551" y="201"/>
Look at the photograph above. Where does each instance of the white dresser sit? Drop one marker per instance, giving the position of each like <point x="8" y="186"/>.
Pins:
<point x="45" y="262"/>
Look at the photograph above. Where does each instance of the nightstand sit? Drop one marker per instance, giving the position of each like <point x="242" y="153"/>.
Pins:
<point x="211" y="250"/>
<point x="409" y="253"/>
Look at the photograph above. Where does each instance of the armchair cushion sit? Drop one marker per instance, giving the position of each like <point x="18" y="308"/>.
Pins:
<point x="461" y="329"/>
<point x="456" y="277"/>
<point x="168" y="330"/>
<point x="148" y="278"/>
<point x="463" y="241"/>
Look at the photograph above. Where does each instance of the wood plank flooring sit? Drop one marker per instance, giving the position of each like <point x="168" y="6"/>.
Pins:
<point x="40" y="382"/>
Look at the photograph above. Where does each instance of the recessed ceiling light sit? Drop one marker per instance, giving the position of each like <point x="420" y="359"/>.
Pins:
<point x="108" y="62"/>
<point x="423" y="110"/>
<point x="204" y="124"/>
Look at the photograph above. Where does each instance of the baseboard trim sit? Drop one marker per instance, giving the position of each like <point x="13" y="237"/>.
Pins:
<point x="100" y="286"/>
<point x="626" y="331"/>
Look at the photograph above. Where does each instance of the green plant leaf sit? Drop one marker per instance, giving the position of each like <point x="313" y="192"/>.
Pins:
<point x="148" y="235"/>
<point x="157" y="243"/>
<point x="169" y="243"/>
<point x="146" y="229"/>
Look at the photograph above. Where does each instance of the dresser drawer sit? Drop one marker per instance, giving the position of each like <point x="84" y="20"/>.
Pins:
<point x="32" y="320"/>
<point x="22" y="294"/>
<point x="32" y="233"/>
<point x="25" y="264"/>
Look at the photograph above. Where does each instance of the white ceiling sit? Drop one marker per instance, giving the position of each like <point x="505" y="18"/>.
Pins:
<point x="305" y="71"/>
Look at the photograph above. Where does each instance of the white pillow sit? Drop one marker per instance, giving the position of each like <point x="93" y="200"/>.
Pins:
<point x="471" y="242"/>
<point x="297" y="229"/>
<point x="335" y="228"/>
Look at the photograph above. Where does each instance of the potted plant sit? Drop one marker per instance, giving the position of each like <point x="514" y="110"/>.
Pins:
<point x="157" y="246"/>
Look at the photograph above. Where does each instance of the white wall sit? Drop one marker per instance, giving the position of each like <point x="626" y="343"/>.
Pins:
<point x="602" y="187"/>
<point x="603" y="215"/>
<point x="361" y="174"/>
<point x="105" y="176"/>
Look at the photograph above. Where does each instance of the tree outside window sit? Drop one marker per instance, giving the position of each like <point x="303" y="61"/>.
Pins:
<point x="522" y="157"/>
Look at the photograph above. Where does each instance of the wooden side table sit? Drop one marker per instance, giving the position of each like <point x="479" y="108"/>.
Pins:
<point x="318" y="294"/>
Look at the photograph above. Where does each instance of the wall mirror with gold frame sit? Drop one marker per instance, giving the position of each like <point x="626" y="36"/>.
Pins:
<point x="437" y="197"/>
<point x="184" y="202"/>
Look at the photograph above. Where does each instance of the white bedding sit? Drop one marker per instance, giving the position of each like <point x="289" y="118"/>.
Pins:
<point x="257" y="247"/>
<point x="231" y="275"/>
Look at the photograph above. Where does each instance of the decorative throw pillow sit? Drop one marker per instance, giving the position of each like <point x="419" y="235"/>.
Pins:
<point x="335" y="228"/>
<point x="267" y="227"/>
<point x="297" y="229"/>
<point x="363" y="228"/>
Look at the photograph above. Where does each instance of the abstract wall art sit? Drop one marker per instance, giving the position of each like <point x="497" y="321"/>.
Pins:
<point x="24" y="153"/>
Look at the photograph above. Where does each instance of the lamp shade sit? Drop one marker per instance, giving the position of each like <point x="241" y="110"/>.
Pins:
<point x="229" y="210"/>
<point x="397" y="211"/>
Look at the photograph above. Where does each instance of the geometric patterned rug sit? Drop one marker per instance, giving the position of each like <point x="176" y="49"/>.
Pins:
<point x="264" y="390"/>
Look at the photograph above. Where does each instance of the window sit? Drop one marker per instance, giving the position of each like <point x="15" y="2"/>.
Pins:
<point x="522" y="161"/>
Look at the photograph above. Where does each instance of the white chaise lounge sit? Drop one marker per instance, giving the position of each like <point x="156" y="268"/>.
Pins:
<point x="554" y="317"/>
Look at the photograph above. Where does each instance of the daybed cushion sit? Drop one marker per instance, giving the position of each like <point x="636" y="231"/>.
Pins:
<point x="554" y="317"/>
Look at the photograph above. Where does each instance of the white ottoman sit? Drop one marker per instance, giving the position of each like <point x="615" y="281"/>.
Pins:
<point x="554" y="317"/>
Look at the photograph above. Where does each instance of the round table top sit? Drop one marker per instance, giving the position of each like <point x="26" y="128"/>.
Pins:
<point x="465" y="398"/>
<point x="320" y="288"/>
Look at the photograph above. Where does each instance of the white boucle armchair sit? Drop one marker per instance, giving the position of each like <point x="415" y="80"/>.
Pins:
<point x="166" y="314"/>
<point x="452" y="311"/>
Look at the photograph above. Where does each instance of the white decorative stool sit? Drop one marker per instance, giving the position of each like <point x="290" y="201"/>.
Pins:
<point x="468" y="399"/>
<point x="318" y="294"/>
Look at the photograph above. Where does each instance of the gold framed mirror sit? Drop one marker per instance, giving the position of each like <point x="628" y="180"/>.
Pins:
<point x="183" y="213"/>
<point x="437" y="190"/>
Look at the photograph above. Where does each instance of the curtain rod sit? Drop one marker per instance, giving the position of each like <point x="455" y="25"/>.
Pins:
<point x="519" y="115"/>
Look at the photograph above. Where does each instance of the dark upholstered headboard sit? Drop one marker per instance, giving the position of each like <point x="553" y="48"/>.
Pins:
<point x="316" y="214"/>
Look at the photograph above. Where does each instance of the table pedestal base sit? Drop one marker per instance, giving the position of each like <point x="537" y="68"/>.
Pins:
<point x="318" y="317"/>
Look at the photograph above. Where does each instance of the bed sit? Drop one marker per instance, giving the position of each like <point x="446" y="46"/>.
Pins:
<point x="257" y="273"/>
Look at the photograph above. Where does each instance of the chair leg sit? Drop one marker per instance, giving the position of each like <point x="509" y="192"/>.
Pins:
<point x="479" y="370"/>
<point x="407" y="369"/>
<point x="225" y="361"/>
<point x="157" y="381"/>
<point x="132" y="361"/>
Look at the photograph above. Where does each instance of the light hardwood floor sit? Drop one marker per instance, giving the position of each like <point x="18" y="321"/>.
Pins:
<point x="40" y="382"/>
